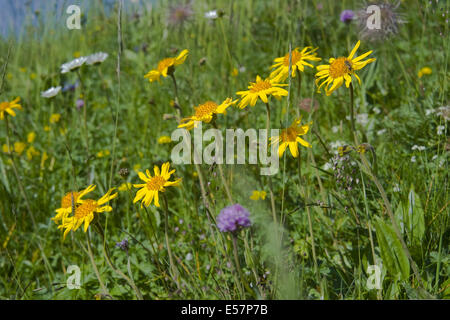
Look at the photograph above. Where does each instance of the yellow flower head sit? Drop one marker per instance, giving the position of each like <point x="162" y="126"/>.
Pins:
<point x="124" y="186"/>
<point x="31" y="152"/>
<point x="424" y="71"/>
<point x="103" y="153"/>
<point x="290" y="137"/>
<point x="19" y="147"/>
<point x="261" y="89"/>
<point x="340" y="70"/>
<point x="256" y="195"/>
<point x="164" y="139"/>
<point x="153" y="185"/>
<point x="55" y="117"/>
<point x="31" y="136"/>
<point x="8" y="107"/>
<point x="84" y="212"/>
<point x="205" y="112"/>
<point x="165" y="66"/>
<point x="298" y="62"/>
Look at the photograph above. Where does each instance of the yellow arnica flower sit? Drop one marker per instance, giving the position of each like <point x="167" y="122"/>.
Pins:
<point x="205" y="112"/>
<point x="67" y="205"/>
<point x="256" y="195"/>
<point x="55" y="117"/>
<point x="424" y="71"/>
<point x="298" y="61"/>
<point x="19" y="147"/>
<point x="261" y="89"/>
<point x="8" y="107"/>
<point x="31" y="136"/>
<point x="31" y="152"/>
<point x="84" y="213"/>
<point x="165" y="66"/>
<point x="340" y="70"/>
<point x="124" y="186"/>
<point x="164" y="139"/>
<point x="153" y="185"/>
<point x="290" y="137"/>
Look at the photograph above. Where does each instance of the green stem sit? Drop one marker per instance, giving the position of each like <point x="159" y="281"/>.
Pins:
<point x="166" y="233"/>
<point x="86" y="132"/>
<point x="272" y="198"/>
<point x="97" y="274"/>
<point x="352" y="118"/>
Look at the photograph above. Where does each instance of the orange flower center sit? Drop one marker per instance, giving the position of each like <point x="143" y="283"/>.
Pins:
<point x="156" y="183"/>
<point x="261" y="86"/>
<point x="296" y="57"/>
<point x="165" y="63"/>
<point x="4" y="106"/>
<point x="85" y="209"/>
<point x="340" y="67"/>
<point x="205" y="109"/>
<point x="66" y="201"/>
<point x="289" y="134"/>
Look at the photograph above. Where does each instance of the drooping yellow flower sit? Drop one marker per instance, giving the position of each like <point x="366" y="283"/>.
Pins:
<point x="8" y="107"/>
<point x="84" y="213"/>
<point x="261" y="89"/>
<point x="291" y="137"/>
<point x="205" y="112"/>
<point x="166" y="66"/>
<point x="67" y="204"/>
<point x="424" y="71"/>
<point x="153" y="185"/>
<point x="256" y="195"/>
<point x="298" y="61"/>
<point x="340" y="70"/>
<point x="164" y="139"/>
<point x="55" y="117"/>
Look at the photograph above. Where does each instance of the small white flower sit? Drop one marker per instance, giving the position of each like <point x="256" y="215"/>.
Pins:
<point x="327" y="166"/>
<point x="440" y="130"/>
<point x="396" y="188"/>
<point x="380" y="132"/>
<point x="50" y="93"/>
<point x="362" y="119"/>
<point x="335" y="129"/>
<point x="434" y="157"/>
<point x="413" y="159"/>
<point x="416" y="147"/>
<point x="96" y="58"/>
<point x="376" y="110"/>
<point x="428" y="112"/>
<point x="211" y="15"/>
<point x="189" y="257"/>
<point x="73" y="65"/>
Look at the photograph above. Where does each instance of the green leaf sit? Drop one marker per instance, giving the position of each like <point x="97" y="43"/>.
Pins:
<point x="391" y="250"/>
<point x="415" y="217"/>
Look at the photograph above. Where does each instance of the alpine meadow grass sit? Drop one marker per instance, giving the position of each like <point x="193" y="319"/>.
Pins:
<point x="359" y="205"/>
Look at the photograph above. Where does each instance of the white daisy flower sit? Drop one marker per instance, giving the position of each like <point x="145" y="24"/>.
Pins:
<point x="211" y="15"/>
<point x="73" y="65"/>
<point x="96" y="58"/>
<point x="50" y="93"/>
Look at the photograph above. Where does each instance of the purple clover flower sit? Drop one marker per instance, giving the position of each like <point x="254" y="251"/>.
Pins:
<point x="347" y="16"/>
<point x="123" y="244"/>
<point x="232" y="218"/>
<point x="79" y="103"/>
